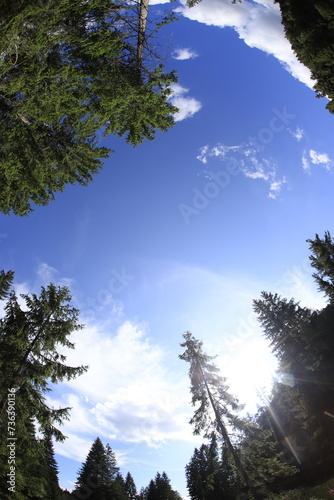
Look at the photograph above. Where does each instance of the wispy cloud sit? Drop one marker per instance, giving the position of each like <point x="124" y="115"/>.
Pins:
<point x="305" y="163"/>
<point x="252" y="164"/>
<point x="298" y="133"/>
<point x="184" y="54"/>
<point x="315" y="158"/>
<point x="321" y="159"/>
<point x="187" y="106"/>
<point x="258" y="23"/>
<point x="47" y="274"/>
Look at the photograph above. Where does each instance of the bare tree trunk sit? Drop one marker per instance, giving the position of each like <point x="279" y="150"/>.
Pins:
<point x="143" y="11"/>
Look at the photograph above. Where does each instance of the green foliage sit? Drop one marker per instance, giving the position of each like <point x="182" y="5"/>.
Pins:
<point x="321" y="492"/>
<point x="68" y="71"/>
<point x="323" y="262"/>
<point x="130" y="487"/>
<point x="216" y="404"/>
<point x="209" y="478"/>
<point x="309" y="26"/>
<point x="99" y="477"/>
<point x="302" y="405"/>
<point x="206" y="383"/>
<point x="159" y="488"/>
<point x="264" y="461"/>
<point x="30" y="337"/>
<point x="51" y="470"/>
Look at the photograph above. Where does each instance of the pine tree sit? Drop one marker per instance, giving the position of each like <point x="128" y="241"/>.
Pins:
<point x="99" y="477"/>
<point x="286" y="325"/>
<point x="28" y="352"/>
<point x="303" y="341"/>
<point x="53" y="489"/>
<point x="322" y="261"/>
<point x="118" y="490"/>
<point x="210" y="391"/>
<point x="263" y="459"/>
<point x="130" y="487"/>
<point x="93" y="476"/>
<point x="160" y="489"/>
<point x="309" y="27"/>
<point x="29" y="360"/>
<point x="6" y="282"/>
<point x="70" y="72"/>
<point x="207" y="477"/>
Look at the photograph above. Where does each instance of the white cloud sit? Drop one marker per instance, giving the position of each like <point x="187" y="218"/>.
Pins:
<point x="47" y="274"/>
<point x="126" y="394"/>
<point x="220" y="151"/>
<point x="258" y="23"/>
<point x="263" y="169"/>
<point x="187" y="106"/>
<point x="275" y="188"/>
<point x="315" y="158"/>
<point x="320" y="159"/>
<point x="298" y="133"/>
<point x="305" y="163"/>
<point x="184" y="54"/>
<point x="251" y="164"/>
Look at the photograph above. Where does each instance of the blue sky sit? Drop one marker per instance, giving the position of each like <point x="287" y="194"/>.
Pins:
<point x="182" y="233"/>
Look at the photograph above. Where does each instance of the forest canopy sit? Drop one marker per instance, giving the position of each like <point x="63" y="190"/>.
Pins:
<point x="68" y="71"/>
<point x="309" y="27"/>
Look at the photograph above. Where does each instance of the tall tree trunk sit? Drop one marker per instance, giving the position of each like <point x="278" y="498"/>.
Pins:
<point x="143" y="12"/>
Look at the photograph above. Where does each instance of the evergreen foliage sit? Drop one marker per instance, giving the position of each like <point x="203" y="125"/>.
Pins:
<point x="302" y="405"/>
<point x="309" y="26"/>
<point x="207" y="476"/>
<point x="251" y="461"/>
<point x="30" y="337"/>
<point x="130" y="487"/>
<point x="210" y="391"/>
<point x="68" y="70"/>
<point x="159" y="488"/>
<point x="99" y="477"/>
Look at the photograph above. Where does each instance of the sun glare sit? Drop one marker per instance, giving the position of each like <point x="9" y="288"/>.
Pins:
<point x="250" y="373"/>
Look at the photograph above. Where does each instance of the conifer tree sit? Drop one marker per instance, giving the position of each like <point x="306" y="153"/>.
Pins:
<point x="30" y="337"/>
<point x="160" y="489"/>
<point x="99" y="477"/>
<point x="210" y="391"/>
<point x="322" y="260"/>
<point x="93" y="476"/>
<point x="29" y="359"/>
<point x="303" y="341"/>
<point x="207" y="477"/>
<point x="69" y="72"/>
<point x="130" y="487"/>
<point x="309" y="27"/>
<point x="51" y="473"/>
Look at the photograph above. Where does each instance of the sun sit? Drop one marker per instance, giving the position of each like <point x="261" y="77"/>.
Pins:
<point x="250" y="373"/>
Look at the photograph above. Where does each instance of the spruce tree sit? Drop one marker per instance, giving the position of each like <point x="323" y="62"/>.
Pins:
<point x="302" y="405"/>
<point x="99" y="477"/>
<point x="322" y="260"/>
<point x="160" y="488"/>
<point x="29" y="357"/>
<point x="93" y="476"/>
<point x="51" y="470"/>
<point x="206" y="475"/>
<point x="69" y="73"/>
<point x="30" y="337"/>
<point x="210" y="391"/>
<point x="130" y="487"/>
